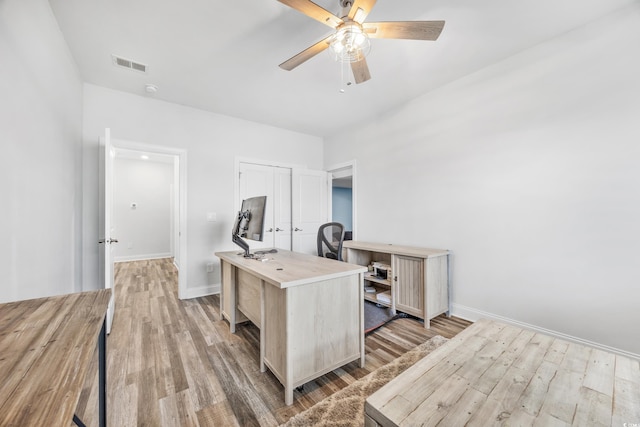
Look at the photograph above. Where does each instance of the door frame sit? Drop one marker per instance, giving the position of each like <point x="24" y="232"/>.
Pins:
<point x="180" y="220"/>
<point x="261" y="162"/>
<point x="354" y="191"/>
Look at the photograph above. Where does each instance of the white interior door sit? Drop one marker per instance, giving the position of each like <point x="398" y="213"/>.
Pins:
<point x="107" y="241"/>
<point x="258" y="180"/>
<point x="282" y="208"/>
<point x="309" y="201"/>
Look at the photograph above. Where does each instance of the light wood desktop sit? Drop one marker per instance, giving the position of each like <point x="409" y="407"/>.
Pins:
<point x="46" y="347"/>
<point x="309" y="310"/>
<point x="497" y="374"/>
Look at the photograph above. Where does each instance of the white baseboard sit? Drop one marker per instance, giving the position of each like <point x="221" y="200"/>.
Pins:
<point x="128" y="258"/>
<point x="473" y="314"/>
<point x="203" y="291"/>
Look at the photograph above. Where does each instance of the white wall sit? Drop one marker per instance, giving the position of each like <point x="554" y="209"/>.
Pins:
<point x="529" y="171"/>
<point x="212" y="142"/>
<point x="40" y="136"/>
<point x="143" y="231"/>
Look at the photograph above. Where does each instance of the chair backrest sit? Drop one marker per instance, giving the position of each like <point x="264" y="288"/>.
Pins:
<point x="330" y="238"/>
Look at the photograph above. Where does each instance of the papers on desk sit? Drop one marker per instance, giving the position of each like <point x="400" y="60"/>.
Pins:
<point x="384" y="297"/>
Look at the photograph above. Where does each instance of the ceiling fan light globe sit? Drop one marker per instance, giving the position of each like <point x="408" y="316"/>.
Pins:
<point x="350" y="44"/>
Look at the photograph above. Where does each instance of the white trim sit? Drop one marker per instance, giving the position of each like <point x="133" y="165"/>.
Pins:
<point x="203" y="291"/>
<point x="181" y="230"/>
<point x="253" y="161"/>
<point x="329" y="190"/>
<point x="145" y="257"/>
<point x="473" y="314"/>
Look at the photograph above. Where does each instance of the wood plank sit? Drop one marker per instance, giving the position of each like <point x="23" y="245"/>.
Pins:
<point x="534" y="394"/>
<point x="461" y="411"/>
<point x="593" y="409"/>
<point x="599" y="375"/>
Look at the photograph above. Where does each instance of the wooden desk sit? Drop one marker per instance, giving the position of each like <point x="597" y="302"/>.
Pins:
<point x="46" y="347"/>
<point x="496" y="374"/>
<point x="309" y="310"/>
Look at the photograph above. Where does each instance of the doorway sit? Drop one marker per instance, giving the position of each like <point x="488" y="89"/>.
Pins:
<point x="344" y="196"/>
<point x="175" y="159"/>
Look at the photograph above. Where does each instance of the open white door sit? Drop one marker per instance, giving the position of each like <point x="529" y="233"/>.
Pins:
<point x="107" y="240"/>
<point x="310" y="208"/>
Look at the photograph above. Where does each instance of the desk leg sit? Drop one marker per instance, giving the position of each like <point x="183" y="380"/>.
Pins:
<point x="102" y="375"/>
<point x="361" y="308"/>
<point x="102" y="379"/>
<point x="288" y="394"/>
<point x="233" y="303"/>
<point x="263" y="327"/>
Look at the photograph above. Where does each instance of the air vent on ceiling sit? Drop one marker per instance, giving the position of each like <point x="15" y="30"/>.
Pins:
<point x="128" y="63"/>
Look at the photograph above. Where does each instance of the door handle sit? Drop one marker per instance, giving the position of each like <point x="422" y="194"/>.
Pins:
<point x="298" y="229"/>
<point x="107" y="241"/>
<point x="279" y="229"/>
<point x="271" y="230"/>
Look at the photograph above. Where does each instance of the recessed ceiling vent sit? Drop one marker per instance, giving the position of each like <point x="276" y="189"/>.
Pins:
<point x="128" y="63"/>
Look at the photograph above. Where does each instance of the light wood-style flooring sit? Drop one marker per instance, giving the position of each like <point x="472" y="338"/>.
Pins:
<point x="175" y="363"/>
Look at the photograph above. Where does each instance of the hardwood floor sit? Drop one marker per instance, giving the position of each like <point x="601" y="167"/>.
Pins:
<point x="175" y="363"/>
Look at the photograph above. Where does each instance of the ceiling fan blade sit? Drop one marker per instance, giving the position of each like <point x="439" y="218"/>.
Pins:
<point x="306" y="54"/>
<point x="360" y="9"/>
<point x="360" y="70"/>
<point x="412" y="30"/>
<point x="314" y="11"/>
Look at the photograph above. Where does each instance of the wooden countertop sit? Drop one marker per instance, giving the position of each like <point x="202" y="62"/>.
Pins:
<point x="395" y="249"/>
<point x="285" y="268"/>
<point x="46" y="347"/>
<point x="497" y="374"/>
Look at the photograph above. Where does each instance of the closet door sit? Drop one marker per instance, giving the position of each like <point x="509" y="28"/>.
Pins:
<point x="309" y="190"/>
<point x="258" y="180"/>
<point x="282" y="208"/>
<point x="275" y="183"/>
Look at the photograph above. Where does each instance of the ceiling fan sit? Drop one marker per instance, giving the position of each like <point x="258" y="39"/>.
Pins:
<point x="350" y="41"/>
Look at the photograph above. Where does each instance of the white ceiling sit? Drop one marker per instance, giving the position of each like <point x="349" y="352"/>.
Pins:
<point x="223" y="56"/>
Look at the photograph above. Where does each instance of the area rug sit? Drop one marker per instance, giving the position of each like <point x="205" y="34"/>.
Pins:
<point x="345" y="408"/>
<point x="375" y="316"/>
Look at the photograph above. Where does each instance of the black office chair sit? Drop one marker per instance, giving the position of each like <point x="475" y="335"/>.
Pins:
<point x="330" y="238"/>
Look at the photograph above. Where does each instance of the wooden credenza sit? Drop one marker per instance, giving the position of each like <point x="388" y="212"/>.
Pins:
<point x="418" y="282"/>
<point x="309" y="310"/>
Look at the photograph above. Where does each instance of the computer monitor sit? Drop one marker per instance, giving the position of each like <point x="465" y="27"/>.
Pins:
<point x="249" y="223"/>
